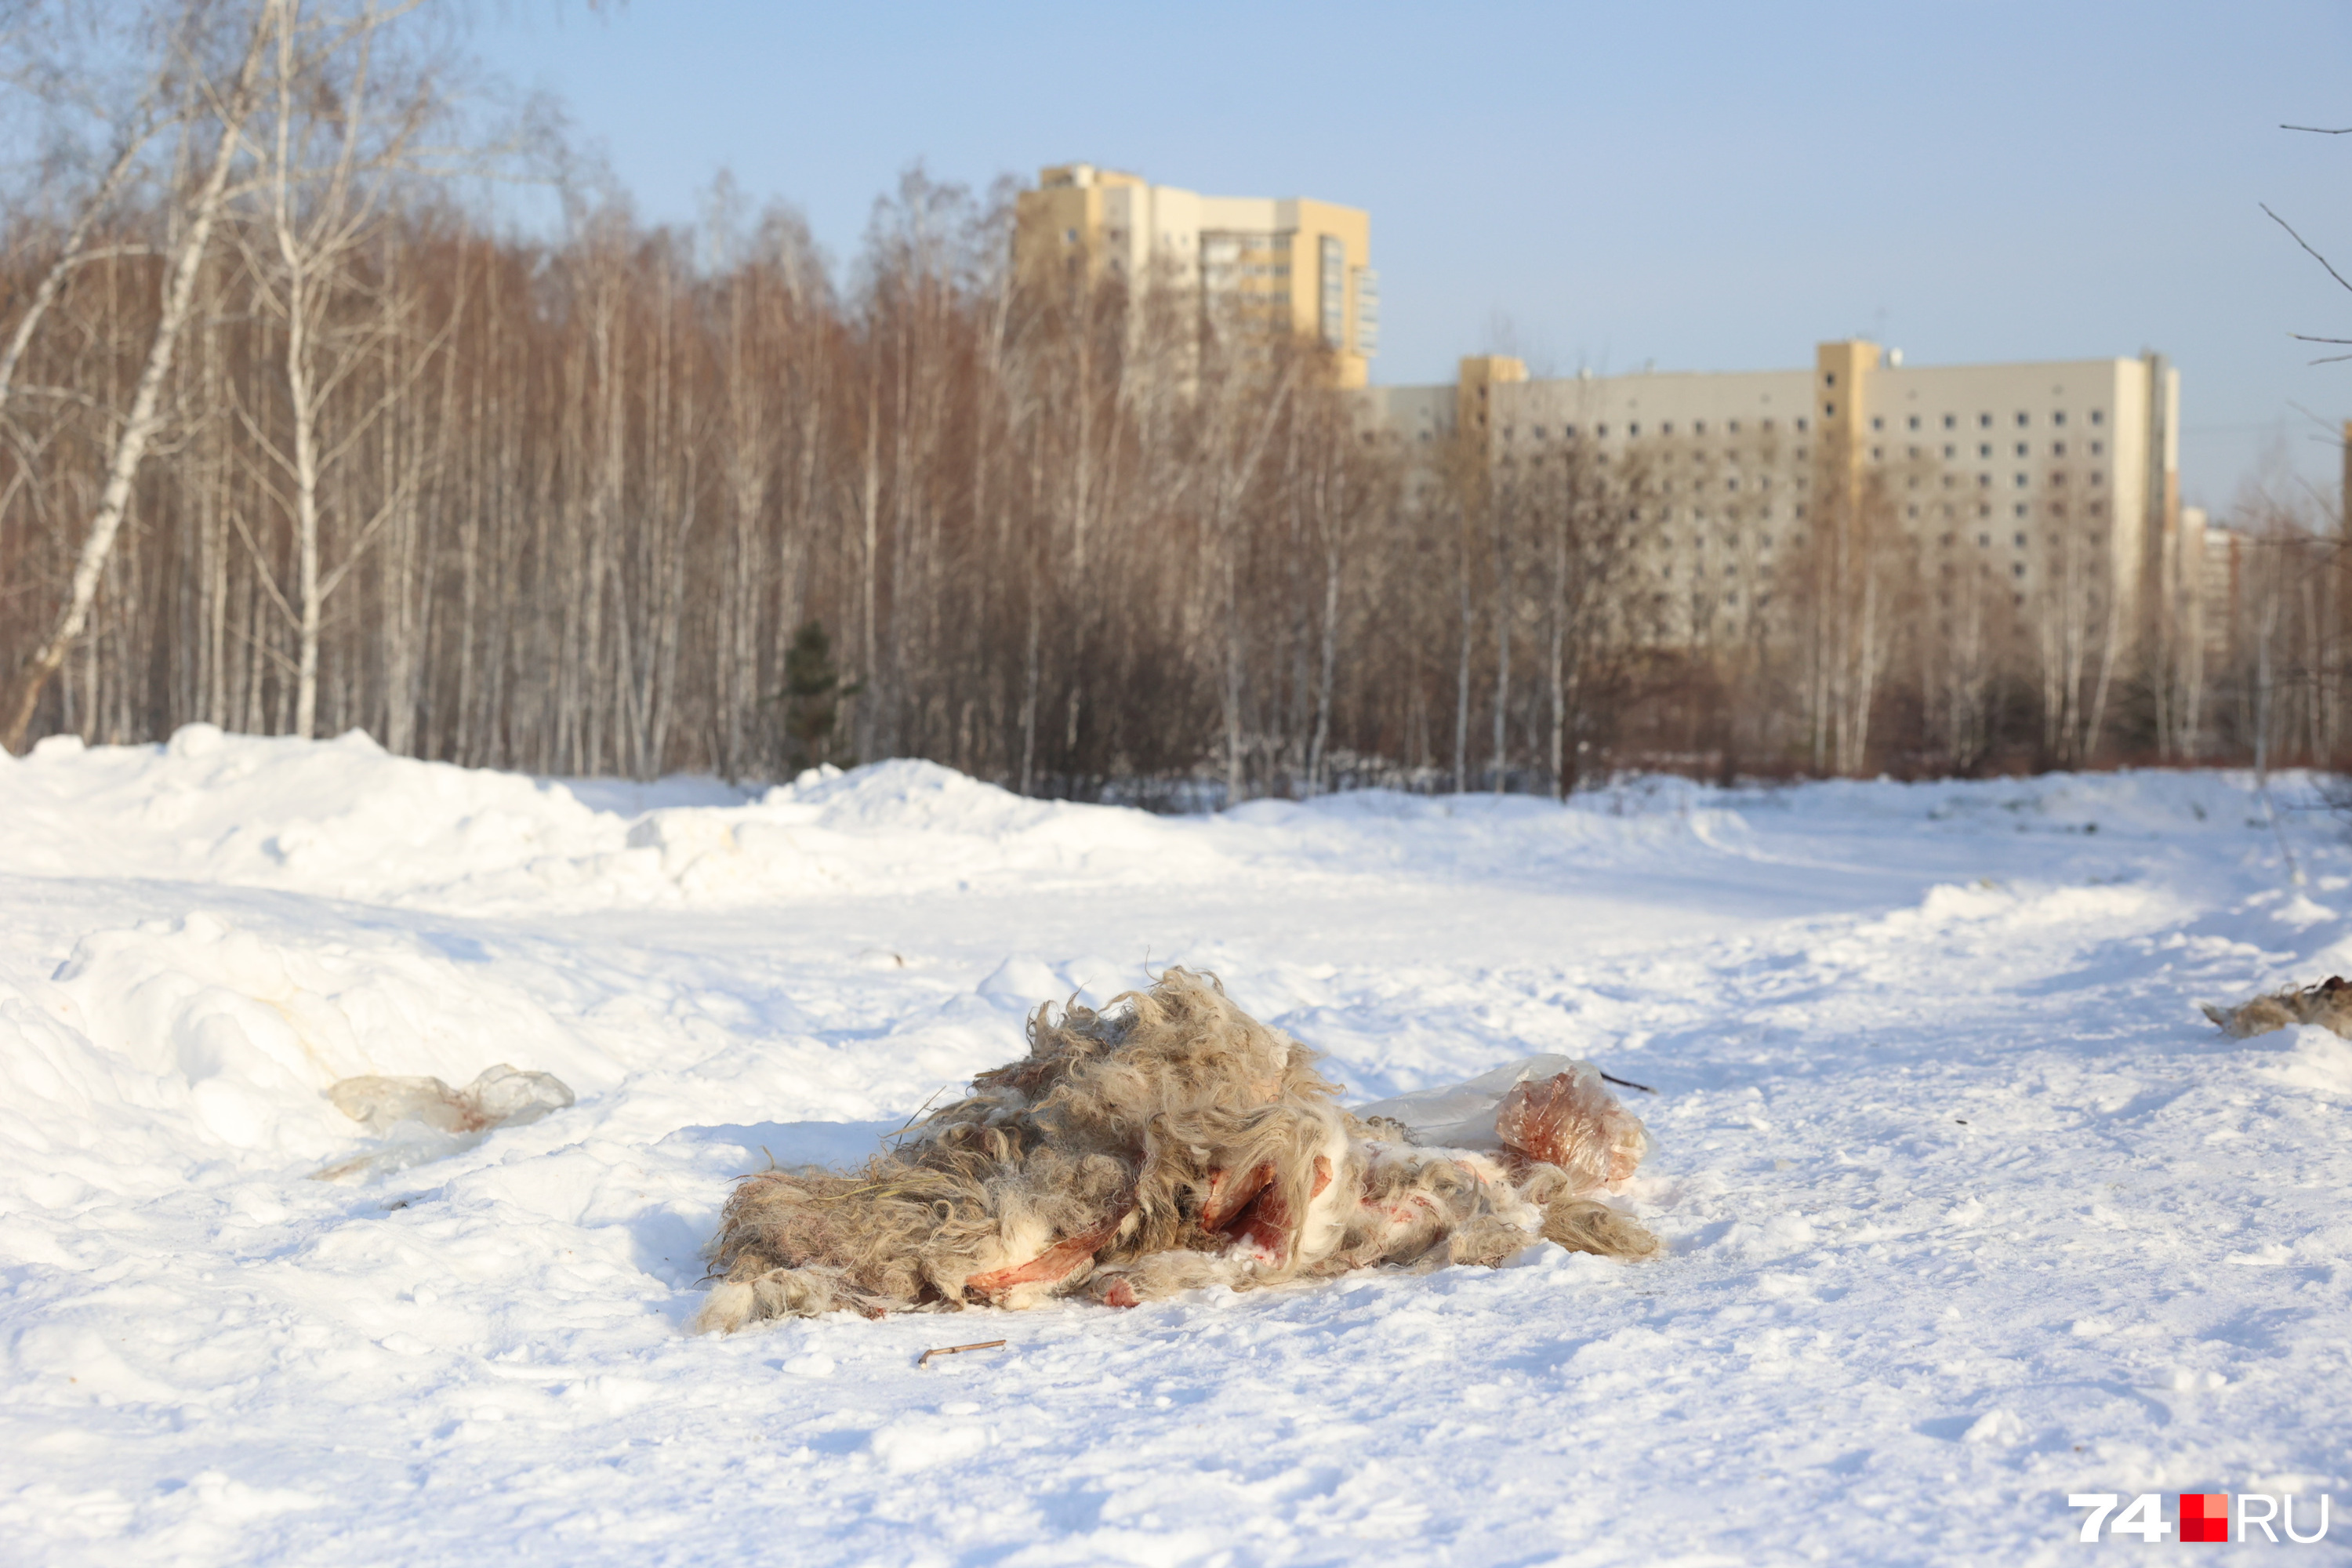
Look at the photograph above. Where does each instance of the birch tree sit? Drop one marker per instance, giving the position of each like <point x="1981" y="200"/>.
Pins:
<point x="222" y="103"/>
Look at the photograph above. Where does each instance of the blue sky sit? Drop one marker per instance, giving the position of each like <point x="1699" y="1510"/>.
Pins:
<point x="1701" y="186"/>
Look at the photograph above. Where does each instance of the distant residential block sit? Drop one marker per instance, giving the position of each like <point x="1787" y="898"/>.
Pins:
<point x="2024" y="480"/>
<point x="1286" y="266"/>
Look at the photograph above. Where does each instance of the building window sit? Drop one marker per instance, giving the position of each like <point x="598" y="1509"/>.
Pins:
<point x="2057" y="448"/>
<point x="1600" y="429"/>
<point x="1984" y="481"/>
<point x="1876" y="423"/>
<point x="2059" y="418"/>
<point x="1984" y="448"/>
<point x="1984" y="509"/>
<point x="1666" y="428"/>
<point x="1876" y="454"/>
<point x="2098" y="449"/>
<point x="2023" y="420"/>
<point x="1334" y="281"/>
<point x="1984" y="542"/>
<point x="2021" y="481"/>
<point x="1950" y="451"/>
<point x="1633" y="430"/>
<point x="2020" y="512"/>
<point x="2098" y="416"/>
<point x="1829" y="410"/>
<point x="2021" y="542"/>
<point x="1915" y="422"/>
<point x="1802" y="425"/>
<point x="1830" y="380"/>
<point x="1984" y="421"/>
<point x="1911" y="512"/>
<point x="1732" y="426"/>
<point x="1568" y="431"/>
<point x="2097" y="478"/>
<point x="2023" y="450"/>
<point x="1698" y="427"/>
<point x="1537" y="432"/>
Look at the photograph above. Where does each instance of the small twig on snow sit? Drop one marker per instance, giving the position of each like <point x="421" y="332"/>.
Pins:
<point x="1627" y="1083"/>
<point x="956" y="1350"/>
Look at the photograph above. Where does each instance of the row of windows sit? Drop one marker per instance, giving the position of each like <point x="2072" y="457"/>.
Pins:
<point x="1984" y="421"/>
<point x="1761" y="482"/>
<point x="1984" y="450"/>
<point x="2019" y="539"/>
<point x="1951" y="450"/>
<point x="1762" y="514"/>
<point x="2019" y="481"/>
<point x="1666" y="574"/>
<point x="1664" y="427"/>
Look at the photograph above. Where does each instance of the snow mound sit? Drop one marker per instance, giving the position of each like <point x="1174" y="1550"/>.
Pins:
<point x="1967" y="1207"/>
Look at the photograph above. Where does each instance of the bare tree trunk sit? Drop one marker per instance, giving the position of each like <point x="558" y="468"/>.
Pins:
<point x="69" y="254"/>
<point x="1499" y="516"/>
<point x="24" y="691"/>
<point x="1461" y="679"/>
<point x="1327" y="669"/>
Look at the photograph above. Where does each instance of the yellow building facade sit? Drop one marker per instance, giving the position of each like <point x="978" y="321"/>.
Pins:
<point x="2031" y="481"/>
<point x="1284" y="267"/>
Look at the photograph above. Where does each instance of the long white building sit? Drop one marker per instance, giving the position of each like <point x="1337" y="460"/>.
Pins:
<point x="2030" y="477"/>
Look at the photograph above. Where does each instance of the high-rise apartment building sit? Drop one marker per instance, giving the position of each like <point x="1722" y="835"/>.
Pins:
<point x="2037" y="478"/>
<point x="1280" y="267"/>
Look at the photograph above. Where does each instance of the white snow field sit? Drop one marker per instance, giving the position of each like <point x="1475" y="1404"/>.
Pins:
<point x="1967" y="1207"/>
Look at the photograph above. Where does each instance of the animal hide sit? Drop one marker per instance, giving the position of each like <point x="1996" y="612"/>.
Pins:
<point x="416" y="1119"/>
<point x="2327" y="1004"/>
<point x="1172" y="1141"/>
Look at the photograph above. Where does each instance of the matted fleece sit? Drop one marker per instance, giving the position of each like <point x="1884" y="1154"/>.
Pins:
<point x="1170" y="1141"/>
<point x="2327" y="1004"/>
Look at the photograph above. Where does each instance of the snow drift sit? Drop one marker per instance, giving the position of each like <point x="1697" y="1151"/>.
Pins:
<point x="1968" y="1207"/>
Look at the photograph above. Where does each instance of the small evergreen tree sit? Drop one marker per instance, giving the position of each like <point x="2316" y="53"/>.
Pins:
<point x="812" y="695"/>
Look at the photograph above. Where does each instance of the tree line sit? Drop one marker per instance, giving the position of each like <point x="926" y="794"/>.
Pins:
<point x="296" y="440"/>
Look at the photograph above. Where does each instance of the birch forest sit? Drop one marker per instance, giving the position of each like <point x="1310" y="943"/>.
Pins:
<point x="302" y="436"/>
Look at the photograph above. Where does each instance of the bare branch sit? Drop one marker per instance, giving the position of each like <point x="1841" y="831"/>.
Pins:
<point x="2306" y="245"/>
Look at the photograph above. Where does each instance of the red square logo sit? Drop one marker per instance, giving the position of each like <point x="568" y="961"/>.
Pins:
<point x="2204" y="1516"/>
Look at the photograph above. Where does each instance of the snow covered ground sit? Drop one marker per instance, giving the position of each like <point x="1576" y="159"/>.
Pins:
<point x="1968" y="1207"/>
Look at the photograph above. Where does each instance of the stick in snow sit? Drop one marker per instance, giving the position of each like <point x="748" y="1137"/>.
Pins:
<point x="956" y="1350"/>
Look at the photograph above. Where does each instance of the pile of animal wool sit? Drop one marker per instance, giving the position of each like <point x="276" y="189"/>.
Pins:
<point x="2327" y="1004"/>
<point x="1170" y="1141"/>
